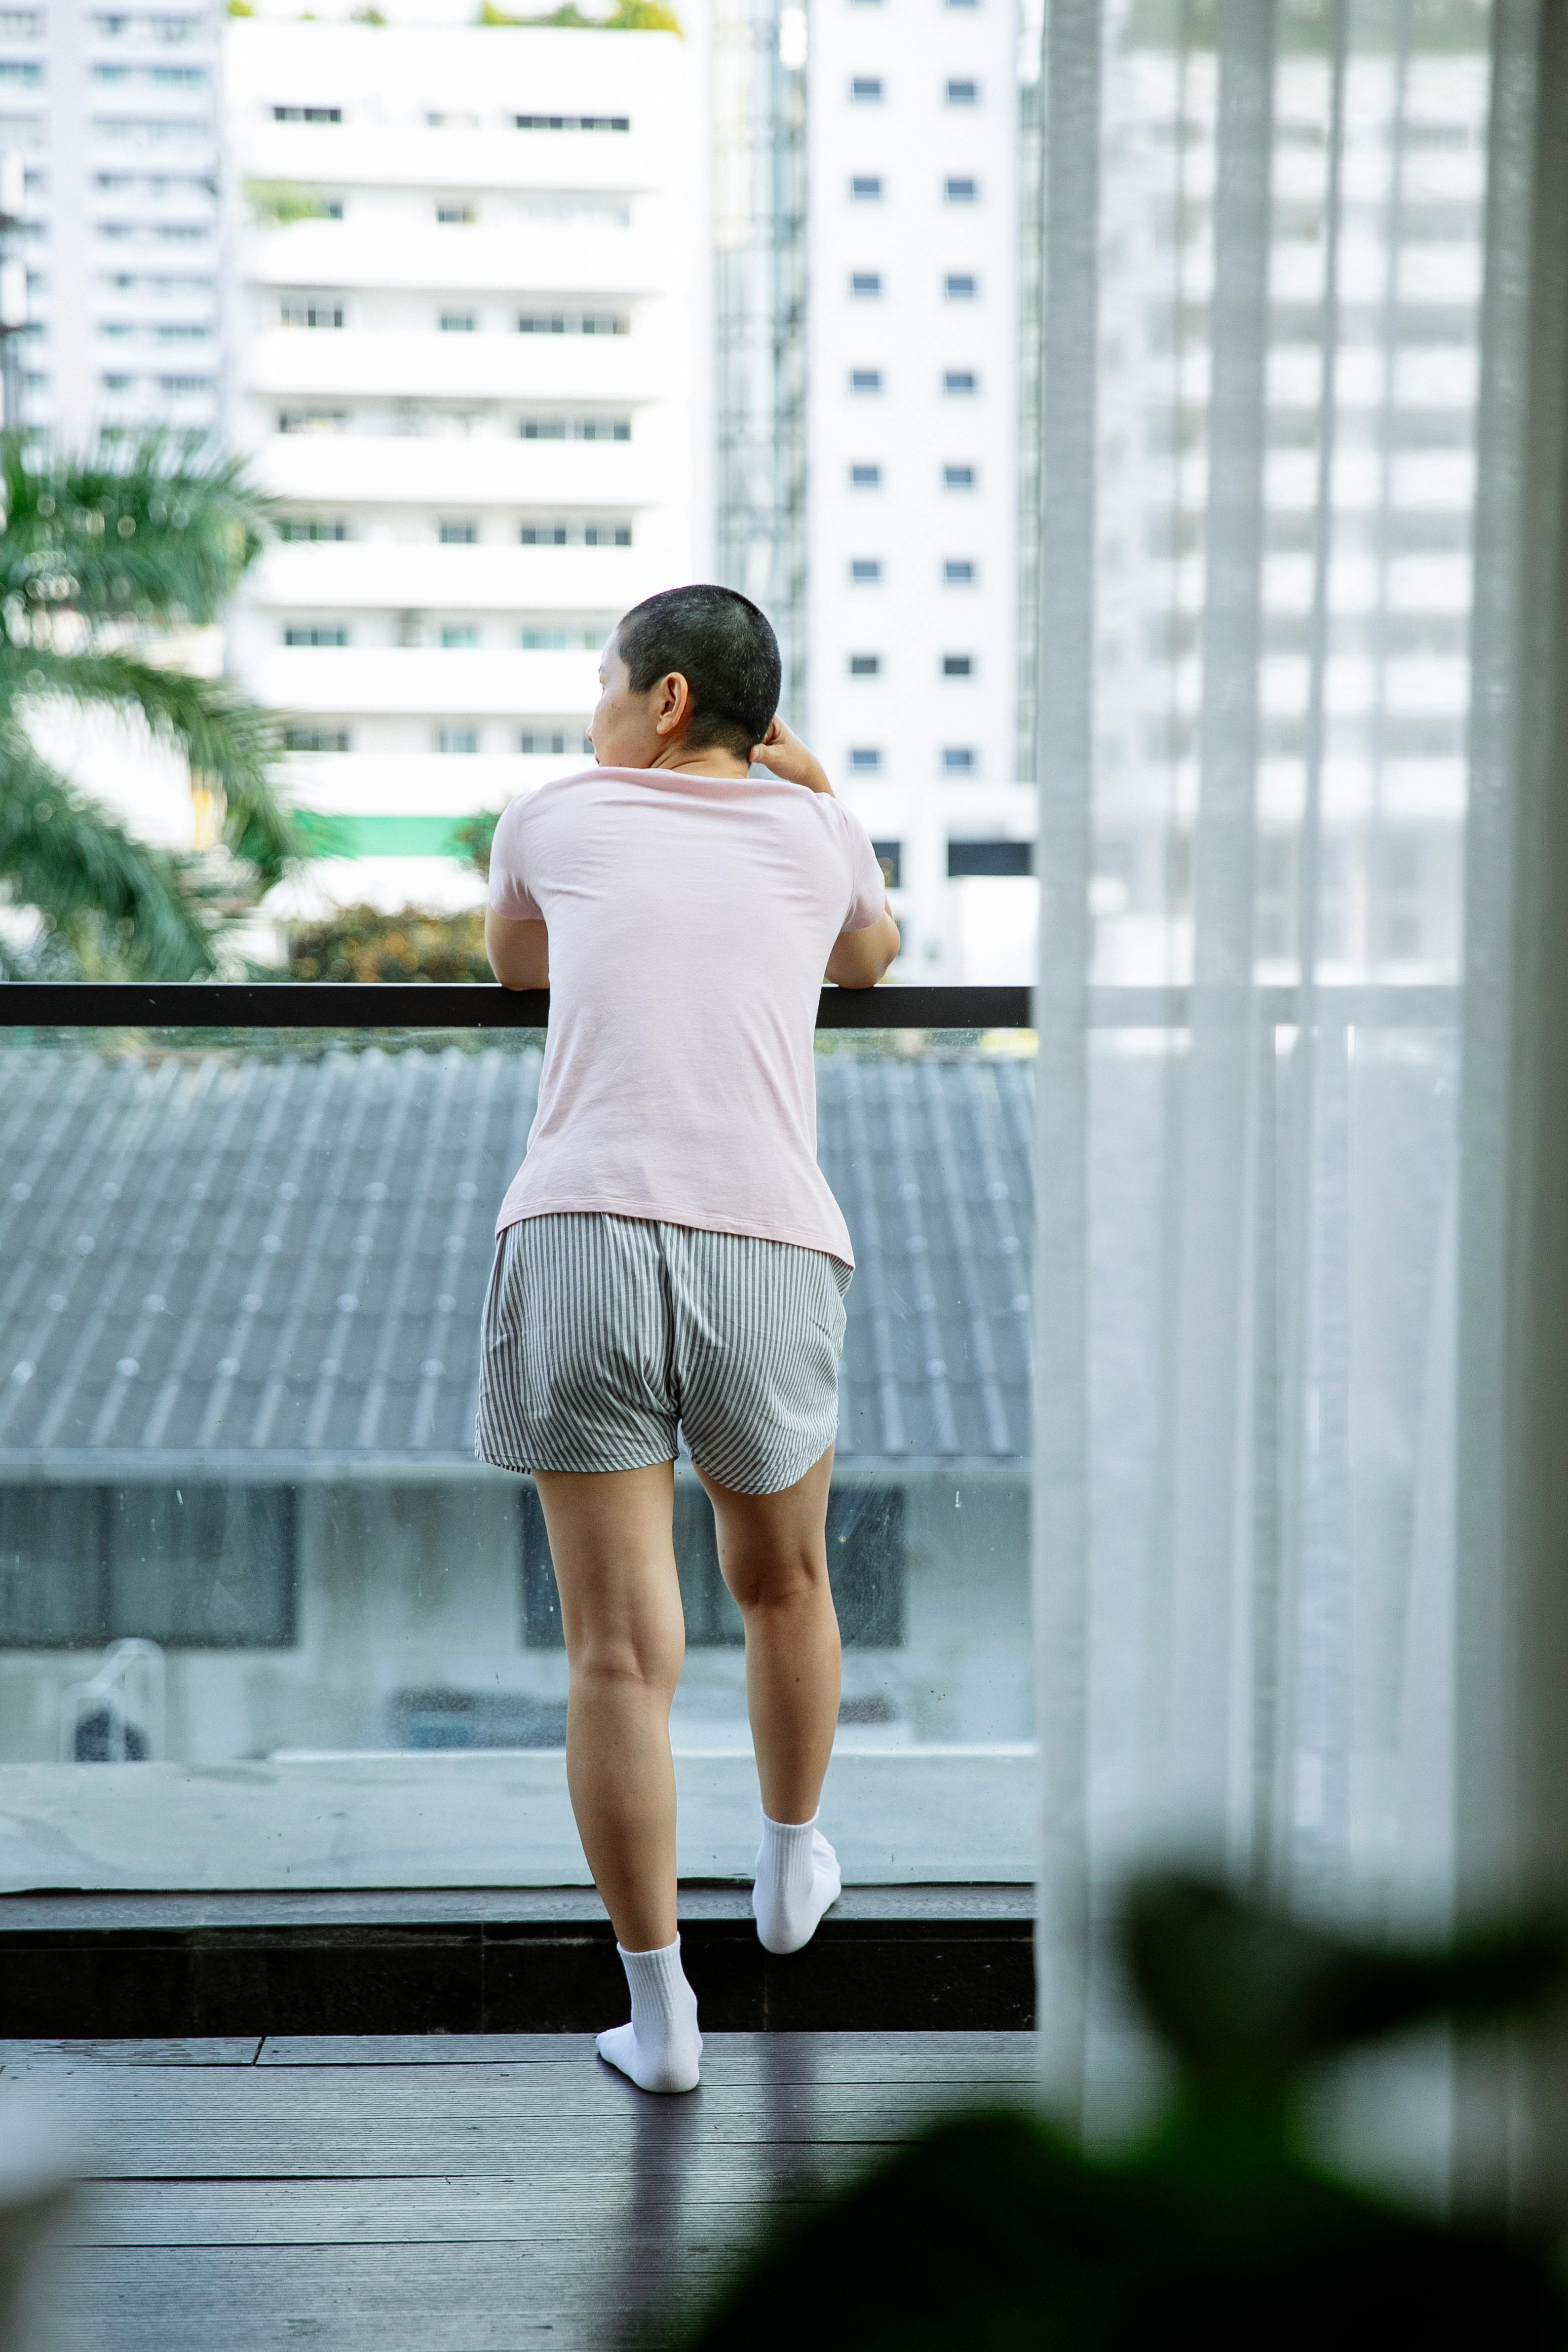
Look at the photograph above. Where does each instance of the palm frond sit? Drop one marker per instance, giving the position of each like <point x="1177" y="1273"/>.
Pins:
<point x="90" y="880"/>
<point x="227" y="739"/>
<point x="152" y="531"/>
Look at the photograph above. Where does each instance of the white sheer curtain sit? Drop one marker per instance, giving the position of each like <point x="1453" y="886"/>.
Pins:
<point x="1292" y="366"/>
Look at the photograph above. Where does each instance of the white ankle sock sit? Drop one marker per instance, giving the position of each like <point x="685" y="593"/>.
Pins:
<point x="661" y="2047"/>
<point x="797" y="1878"/>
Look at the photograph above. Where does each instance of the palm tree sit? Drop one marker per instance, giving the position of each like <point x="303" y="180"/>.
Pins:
<point x="100" y="555"/>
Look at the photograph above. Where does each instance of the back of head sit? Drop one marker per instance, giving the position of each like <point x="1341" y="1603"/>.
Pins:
<point x="723" y="647"/>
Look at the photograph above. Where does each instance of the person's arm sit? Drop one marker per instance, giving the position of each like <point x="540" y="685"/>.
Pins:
<point x="519" y="952"/>
<point x="860" y="959"/>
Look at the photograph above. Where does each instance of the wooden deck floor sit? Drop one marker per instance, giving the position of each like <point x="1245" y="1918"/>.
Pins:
<point x="474" y="2193"/>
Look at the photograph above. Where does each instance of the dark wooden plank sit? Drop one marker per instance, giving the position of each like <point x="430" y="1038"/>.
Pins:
<point x="591" y="2092"/>
<point x="493" y="2049"/>
<point x="217" y="2050"/>
<point x="402" y="2284"/>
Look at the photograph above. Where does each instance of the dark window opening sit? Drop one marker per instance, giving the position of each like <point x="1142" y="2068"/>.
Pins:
<point x="967" y="857"/>
<point x="890" y="858"/>
<point x="193" y="1567"/>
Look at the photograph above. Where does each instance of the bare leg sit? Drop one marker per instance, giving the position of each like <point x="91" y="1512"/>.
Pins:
<point x="610" y="1537"/>
<point x="772" y="1549"/>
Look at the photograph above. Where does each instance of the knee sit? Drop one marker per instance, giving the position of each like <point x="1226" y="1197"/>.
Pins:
<point x="636" y="1657"/>
<point x="766" y="1581"/>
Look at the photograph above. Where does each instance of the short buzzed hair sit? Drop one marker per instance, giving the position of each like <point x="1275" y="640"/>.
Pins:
<point x="723" y="647"/>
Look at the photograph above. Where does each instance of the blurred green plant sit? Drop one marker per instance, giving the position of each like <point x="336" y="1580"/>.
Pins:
<point x="474" y="837"/>
<point x="277" y="203"/>
<point x="364" y="944"/>
<point x="627" y="17"/>
<point x="102" y="558"/>
<point x="996" y="2234"/>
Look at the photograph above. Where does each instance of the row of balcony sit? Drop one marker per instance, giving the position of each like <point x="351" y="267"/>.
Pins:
<point x="375" y="576"/>
<point x="522" y="257"/>
<point x="333" y="471"/>
<point x="337" y="155"/>
<point x="347" y="362"/>
<point x="398" y="681"/>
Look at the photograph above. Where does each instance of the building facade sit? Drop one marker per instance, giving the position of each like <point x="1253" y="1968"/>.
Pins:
<point x="469" y="298"/>
<point x="914" y="447"/>
<point x="114" y="111"/>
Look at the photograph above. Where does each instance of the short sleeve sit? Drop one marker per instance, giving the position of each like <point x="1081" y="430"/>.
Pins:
<point x="868" y="886"/>
<point x="510" y="893"/>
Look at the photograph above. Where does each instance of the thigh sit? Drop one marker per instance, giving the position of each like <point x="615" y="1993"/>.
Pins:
<point x="770" y="1544"/>
<point x="759" y="1330"/>
<point x="575" y="1372"/>
<point x="611" y="1541"/>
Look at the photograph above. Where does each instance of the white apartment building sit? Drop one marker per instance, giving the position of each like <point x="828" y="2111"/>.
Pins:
<point x="469" y="280"/>
<point x="913" y="448"/>
<point x="114" y="110"/>
<point x="1397" y="523"/>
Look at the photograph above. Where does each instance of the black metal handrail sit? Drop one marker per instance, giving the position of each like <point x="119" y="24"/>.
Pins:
<point x="466" y="1004"/>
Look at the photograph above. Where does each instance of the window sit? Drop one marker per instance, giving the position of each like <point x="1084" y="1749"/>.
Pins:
<point x="865" y="665"/>
<point x="958" y="759"/>
<point x="313" y="528"/>
<point x="958" y="382"/>
<point x="865" y="283"/>
<point x="315" y="632"/>
<point x="864" y="569"/>
<point x="989" y="857"/>
<point x="574" y="534"/>
<point x="298" y="310"/>
<point x="958" y="665"/>
<point x="958" y="571"/>
<point x="964" y="93"/>
<point x="864" y="477"/>
<point x="183" y="333"/>
<point x="961" y="286"/>
<point x="456" y="216"/>
<point x="183" y="387"/>
<point x="865" y="379"/>
<point x="457" y="322"/>
<point x="307" y="114"/>
<point x="578" y="638"/>
<point x="865" y="188"/>
<point x="458" y="636"/>
<point x="575" y="428"/>
<point x="460" y="534"/>
<point x="193" y="1567"/>
<point x="458" y="738"/>
<point x="865" y="760"/>
<point x="535" y="741"/>
<point x="573" y="121"/>
<point x="866" y="89"/>
<point x="316" y="738"/>
<point x="116" y="382"/>
<point x="958" y="478"/>
<point x="961" y="190"/>
<point x="313" y="420"/>
<point x="890" y="858"/>
<point x="572" y="323"/>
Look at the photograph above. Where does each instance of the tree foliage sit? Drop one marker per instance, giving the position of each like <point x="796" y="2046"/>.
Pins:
<point x="101" y="555"/>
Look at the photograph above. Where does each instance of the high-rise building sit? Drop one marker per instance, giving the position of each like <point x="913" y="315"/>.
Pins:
<point x="468" y="358"/>
<point x="114" y="110"/>
<point x="913" y="405"/>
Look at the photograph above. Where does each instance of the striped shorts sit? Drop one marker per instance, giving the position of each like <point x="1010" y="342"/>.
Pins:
<point x="606" y="1340"/>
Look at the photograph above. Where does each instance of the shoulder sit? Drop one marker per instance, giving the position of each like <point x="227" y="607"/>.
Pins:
<point x="530" y="809"/>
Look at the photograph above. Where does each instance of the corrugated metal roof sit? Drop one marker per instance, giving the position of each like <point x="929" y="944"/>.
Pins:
<point x="225" y="1254"/>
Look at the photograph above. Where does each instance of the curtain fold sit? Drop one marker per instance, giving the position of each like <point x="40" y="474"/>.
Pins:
<point x="1286" y="253"/>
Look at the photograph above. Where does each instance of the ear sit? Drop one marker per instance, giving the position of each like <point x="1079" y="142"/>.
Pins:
<point x="674" y="705"/>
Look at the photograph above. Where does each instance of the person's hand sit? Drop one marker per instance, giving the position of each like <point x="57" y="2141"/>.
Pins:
<point x="783" y="753"/>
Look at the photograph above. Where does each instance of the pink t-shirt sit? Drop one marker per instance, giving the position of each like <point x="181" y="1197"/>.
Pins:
<point x="690" y="918"/>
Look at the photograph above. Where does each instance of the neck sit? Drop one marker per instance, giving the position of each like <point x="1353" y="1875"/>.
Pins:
<point x="711" y="760"/>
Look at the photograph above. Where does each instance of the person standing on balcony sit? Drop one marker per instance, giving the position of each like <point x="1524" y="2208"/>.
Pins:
<point x="670" y="1261"/>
